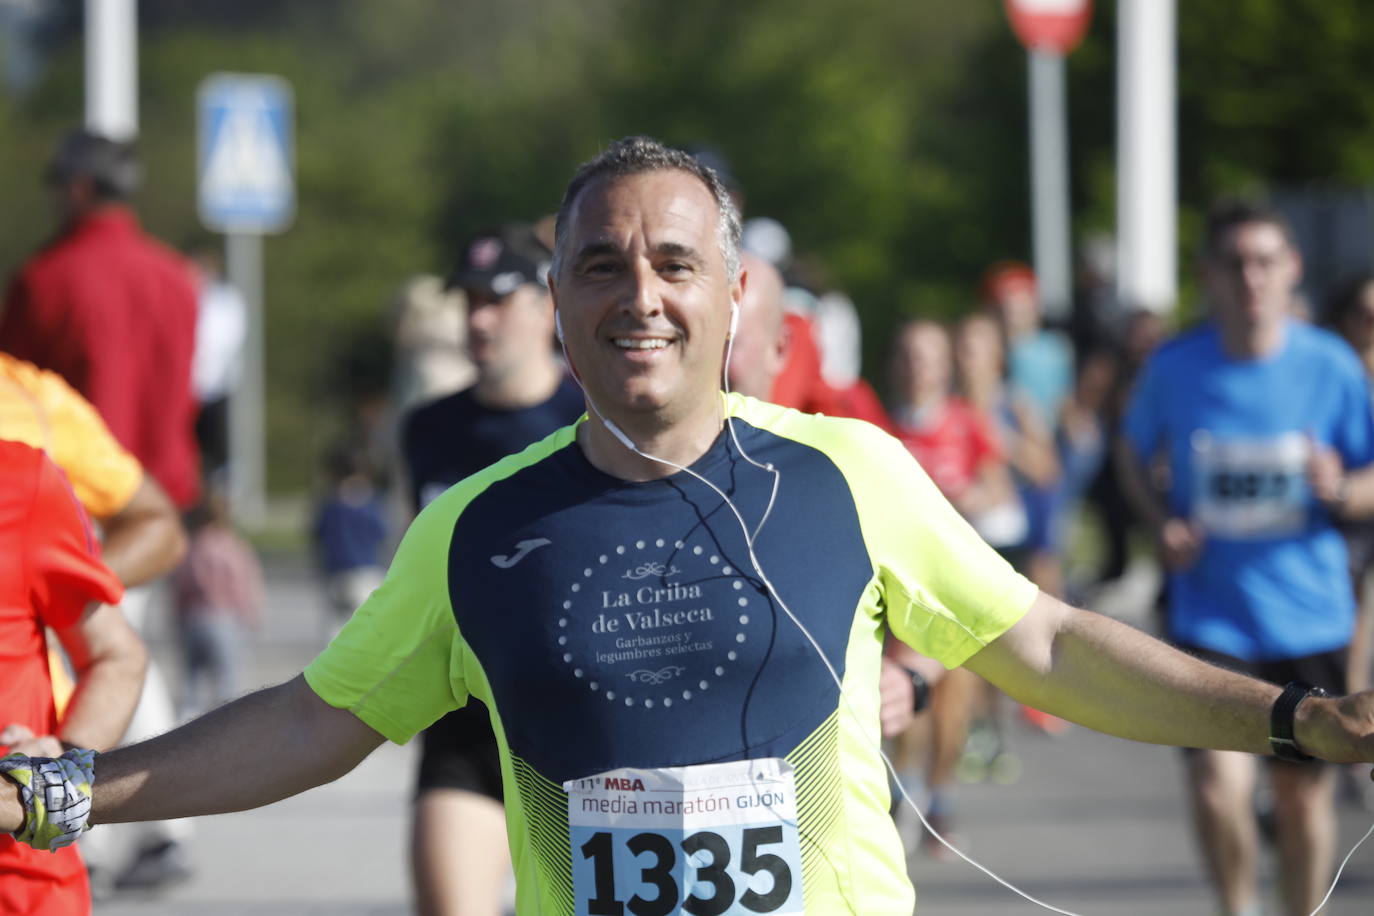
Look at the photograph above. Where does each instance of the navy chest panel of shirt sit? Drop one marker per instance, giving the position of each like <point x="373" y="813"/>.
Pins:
<point x="622" y="624"/>
<point x="455" y="436"/>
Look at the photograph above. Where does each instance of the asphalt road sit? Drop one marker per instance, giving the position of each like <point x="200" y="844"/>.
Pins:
<point x="1094" y="825"/>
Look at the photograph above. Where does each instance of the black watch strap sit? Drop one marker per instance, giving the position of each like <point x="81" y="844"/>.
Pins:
<point x="1281" y="716"/>
<point x="920" y="689"/>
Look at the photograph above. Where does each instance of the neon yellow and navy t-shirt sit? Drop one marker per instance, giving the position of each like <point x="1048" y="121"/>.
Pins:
<point x="618" y="633"/>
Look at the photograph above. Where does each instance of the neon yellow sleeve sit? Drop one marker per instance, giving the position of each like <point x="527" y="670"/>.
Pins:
<point x="946" y="593"/>
<point x="396" y="663"/>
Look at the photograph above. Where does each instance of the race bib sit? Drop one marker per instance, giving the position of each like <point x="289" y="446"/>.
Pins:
<point x="712" y="840"/>
<point x="1251" y="488"/>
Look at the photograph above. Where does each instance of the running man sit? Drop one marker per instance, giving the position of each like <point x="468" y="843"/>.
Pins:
<point x="666" y="728"/>
<point x="1264" y="423"/>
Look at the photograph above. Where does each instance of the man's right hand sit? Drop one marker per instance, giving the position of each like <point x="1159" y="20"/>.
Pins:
<point x="1180" y="542"/>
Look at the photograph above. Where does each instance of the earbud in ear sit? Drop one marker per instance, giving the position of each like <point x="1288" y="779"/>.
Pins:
<point x="734" y="317"/>
<point x="558" y="325"/>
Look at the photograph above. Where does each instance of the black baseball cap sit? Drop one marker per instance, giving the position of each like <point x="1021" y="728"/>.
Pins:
<point x="110" y="163"/>
<point x="501" y="260"/>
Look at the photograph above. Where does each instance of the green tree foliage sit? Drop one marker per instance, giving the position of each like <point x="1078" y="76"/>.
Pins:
<point x="1270" y="95"/>
<point x="889" y="138"/>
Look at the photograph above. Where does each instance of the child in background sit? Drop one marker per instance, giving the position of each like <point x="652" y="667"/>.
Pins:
<point x="218" y="592"/>
<point x="350" y="528"/>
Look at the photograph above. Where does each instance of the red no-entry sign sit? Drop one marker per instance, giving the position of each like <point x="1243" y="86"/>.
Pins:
<point x="1050" y="25"/>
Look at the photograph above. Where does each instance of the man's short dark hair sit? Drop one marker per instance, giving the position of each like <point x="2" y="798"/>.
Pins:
<point x="636" y="156"/>
<point x="111" y="165"/>
<point x="1228" y="214"/>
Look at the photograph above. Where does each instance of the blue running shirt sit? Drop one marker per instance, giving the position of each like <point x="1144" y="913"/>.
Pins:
<point x="1271" y="582"/>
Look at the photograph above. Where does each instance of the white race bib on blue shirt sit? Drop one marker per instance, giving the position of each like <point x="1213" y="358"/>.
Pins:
<point x="1251" y="488"/>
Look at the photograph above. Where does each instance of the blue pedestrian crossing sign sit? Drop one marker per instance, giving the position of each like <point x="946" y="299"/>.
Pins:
<point x="246" y="153"/>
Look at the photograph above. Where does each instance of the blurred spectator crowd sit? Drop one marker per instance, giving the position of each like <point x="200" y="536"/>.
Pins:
<point x="136" y="348"/>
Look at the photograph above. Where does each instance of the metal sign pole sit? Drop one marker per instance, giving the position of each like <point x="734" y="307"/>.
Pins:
<point x="1146" y="176"/>
<point x="247" y="402"/>
<point x="112" y="68"/>
<point x="1050" y="183"/>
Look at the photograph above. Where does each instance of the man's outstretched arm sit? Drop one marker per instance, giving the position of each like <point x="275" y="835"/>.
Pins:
<point x="1112" y="678"/>
<point x="256" y="750"/>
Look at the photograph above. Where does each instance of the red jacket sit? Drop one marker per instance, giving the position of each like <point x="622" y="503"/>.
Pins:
<point x="801" y="385"/>
<point x="114" y="312"/>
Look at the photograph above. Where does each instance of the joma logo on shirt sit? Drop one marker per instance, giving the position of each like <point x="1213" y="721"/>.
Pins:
<point x="521" y="549"/>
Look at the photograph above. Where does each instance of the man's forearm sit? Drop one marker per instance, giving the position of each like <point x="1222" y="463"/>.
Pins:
<point x="104" y="701"/>
<point x="110" y="661"/>
<point x="1115" y="679"/>
<point x="138" y="557"/>
<point x="145" y="539"/>
<point x="256" y="750"/>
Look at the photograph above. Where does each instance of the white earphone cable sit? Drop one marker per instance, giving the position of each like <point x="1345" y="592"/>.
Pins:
<point x="829" y="667"/>
<point x="749" y="538"/>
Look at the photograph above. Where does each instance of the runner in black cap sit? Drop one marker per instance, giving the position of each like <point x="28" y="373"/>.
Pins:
<point x="460" y="859"/>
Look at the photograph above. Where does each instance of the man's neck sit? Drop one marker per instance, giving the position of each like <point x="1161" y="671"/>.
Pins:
<point x="1252" y="340"/>
<point x="526" y="387"/>
<point x="75" y="216"/>
<point x="681" y="441"/>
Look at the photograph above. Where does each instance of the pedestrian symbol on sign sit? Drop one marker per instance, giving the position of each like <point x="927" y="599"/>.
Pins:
<point x="246" y="180"/>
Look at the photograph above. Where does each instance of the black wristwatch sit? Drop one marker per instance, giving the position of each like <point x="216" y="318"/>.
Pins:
<point x="1281" y="739"/>
<point x="920" y="689"/>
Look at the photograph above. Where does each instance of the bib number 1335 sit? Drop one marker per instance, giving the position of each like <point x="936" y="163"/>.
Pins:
<point x="708" y="856"/>
<point x="658" y="842"/>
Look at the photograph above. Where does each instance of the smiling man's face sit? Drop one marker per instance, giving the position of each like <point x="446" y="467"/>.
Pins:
<point x="644" y="295"/>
